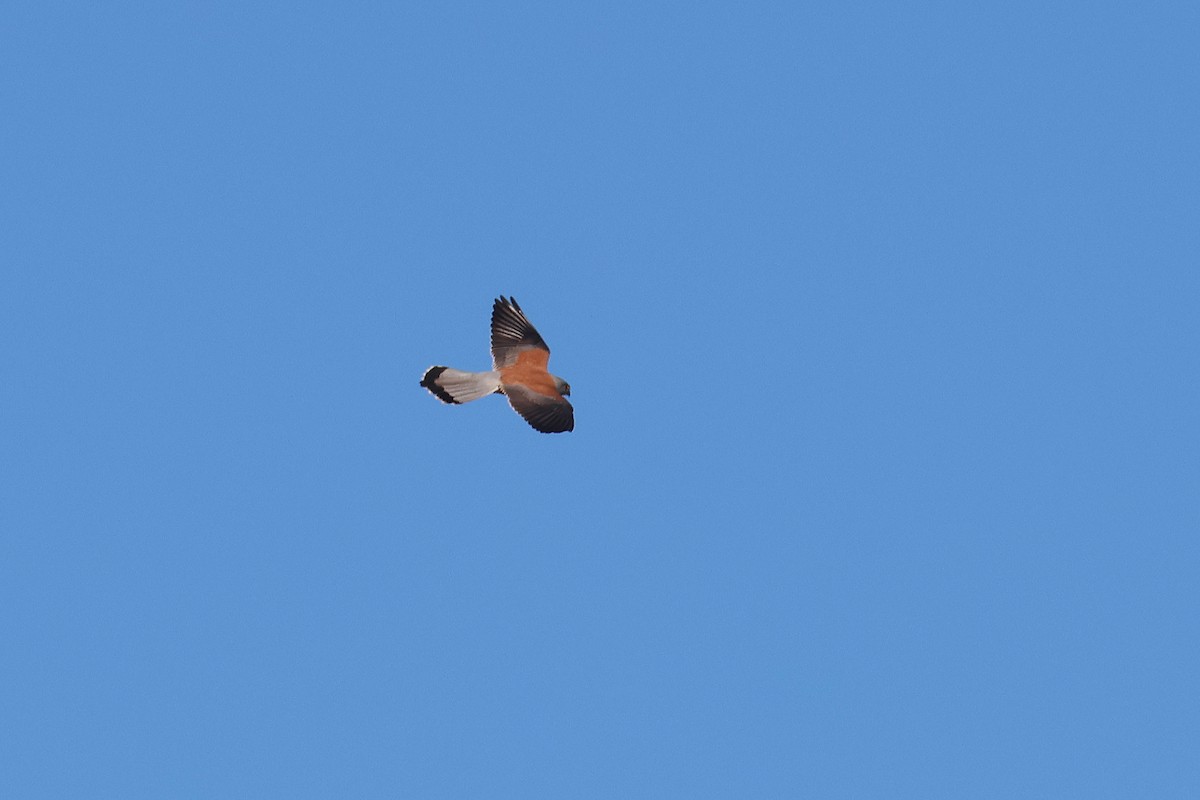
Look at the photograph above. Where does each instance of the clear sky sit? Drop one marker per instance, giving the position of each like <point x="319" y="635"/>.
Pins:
<point x="881" y="327"/>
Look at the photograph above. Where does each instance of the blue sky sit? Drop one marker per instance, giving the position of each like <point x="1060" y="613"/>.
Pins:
<point x="881" y="328"/>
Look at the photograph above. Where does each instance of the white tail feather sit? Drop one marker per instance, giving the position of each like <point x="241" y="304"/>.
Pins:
<point x="456" y="386"/>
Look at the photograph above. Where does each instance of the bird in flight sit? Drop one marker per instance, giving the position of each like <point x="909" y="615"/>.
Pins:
<point x="519" y="359"/>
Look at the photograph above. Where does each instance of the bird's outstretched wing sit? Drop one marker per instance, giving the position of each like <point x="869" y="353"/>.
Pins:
<point x="512" y="335"/>
<point x="546" y="413"/>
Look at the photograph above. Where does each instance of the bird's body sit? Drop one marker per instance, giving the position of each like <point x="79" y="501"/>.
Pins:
<point x="520" y="359"/>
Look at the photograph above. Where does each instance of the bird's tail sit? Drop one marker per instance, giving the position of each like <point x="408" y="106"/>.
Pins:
<point x="456" y="386"/>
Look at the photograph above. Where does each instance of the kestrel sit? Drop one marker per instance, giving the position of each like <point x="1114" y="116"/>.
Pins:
<point x="519" y="359"/>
